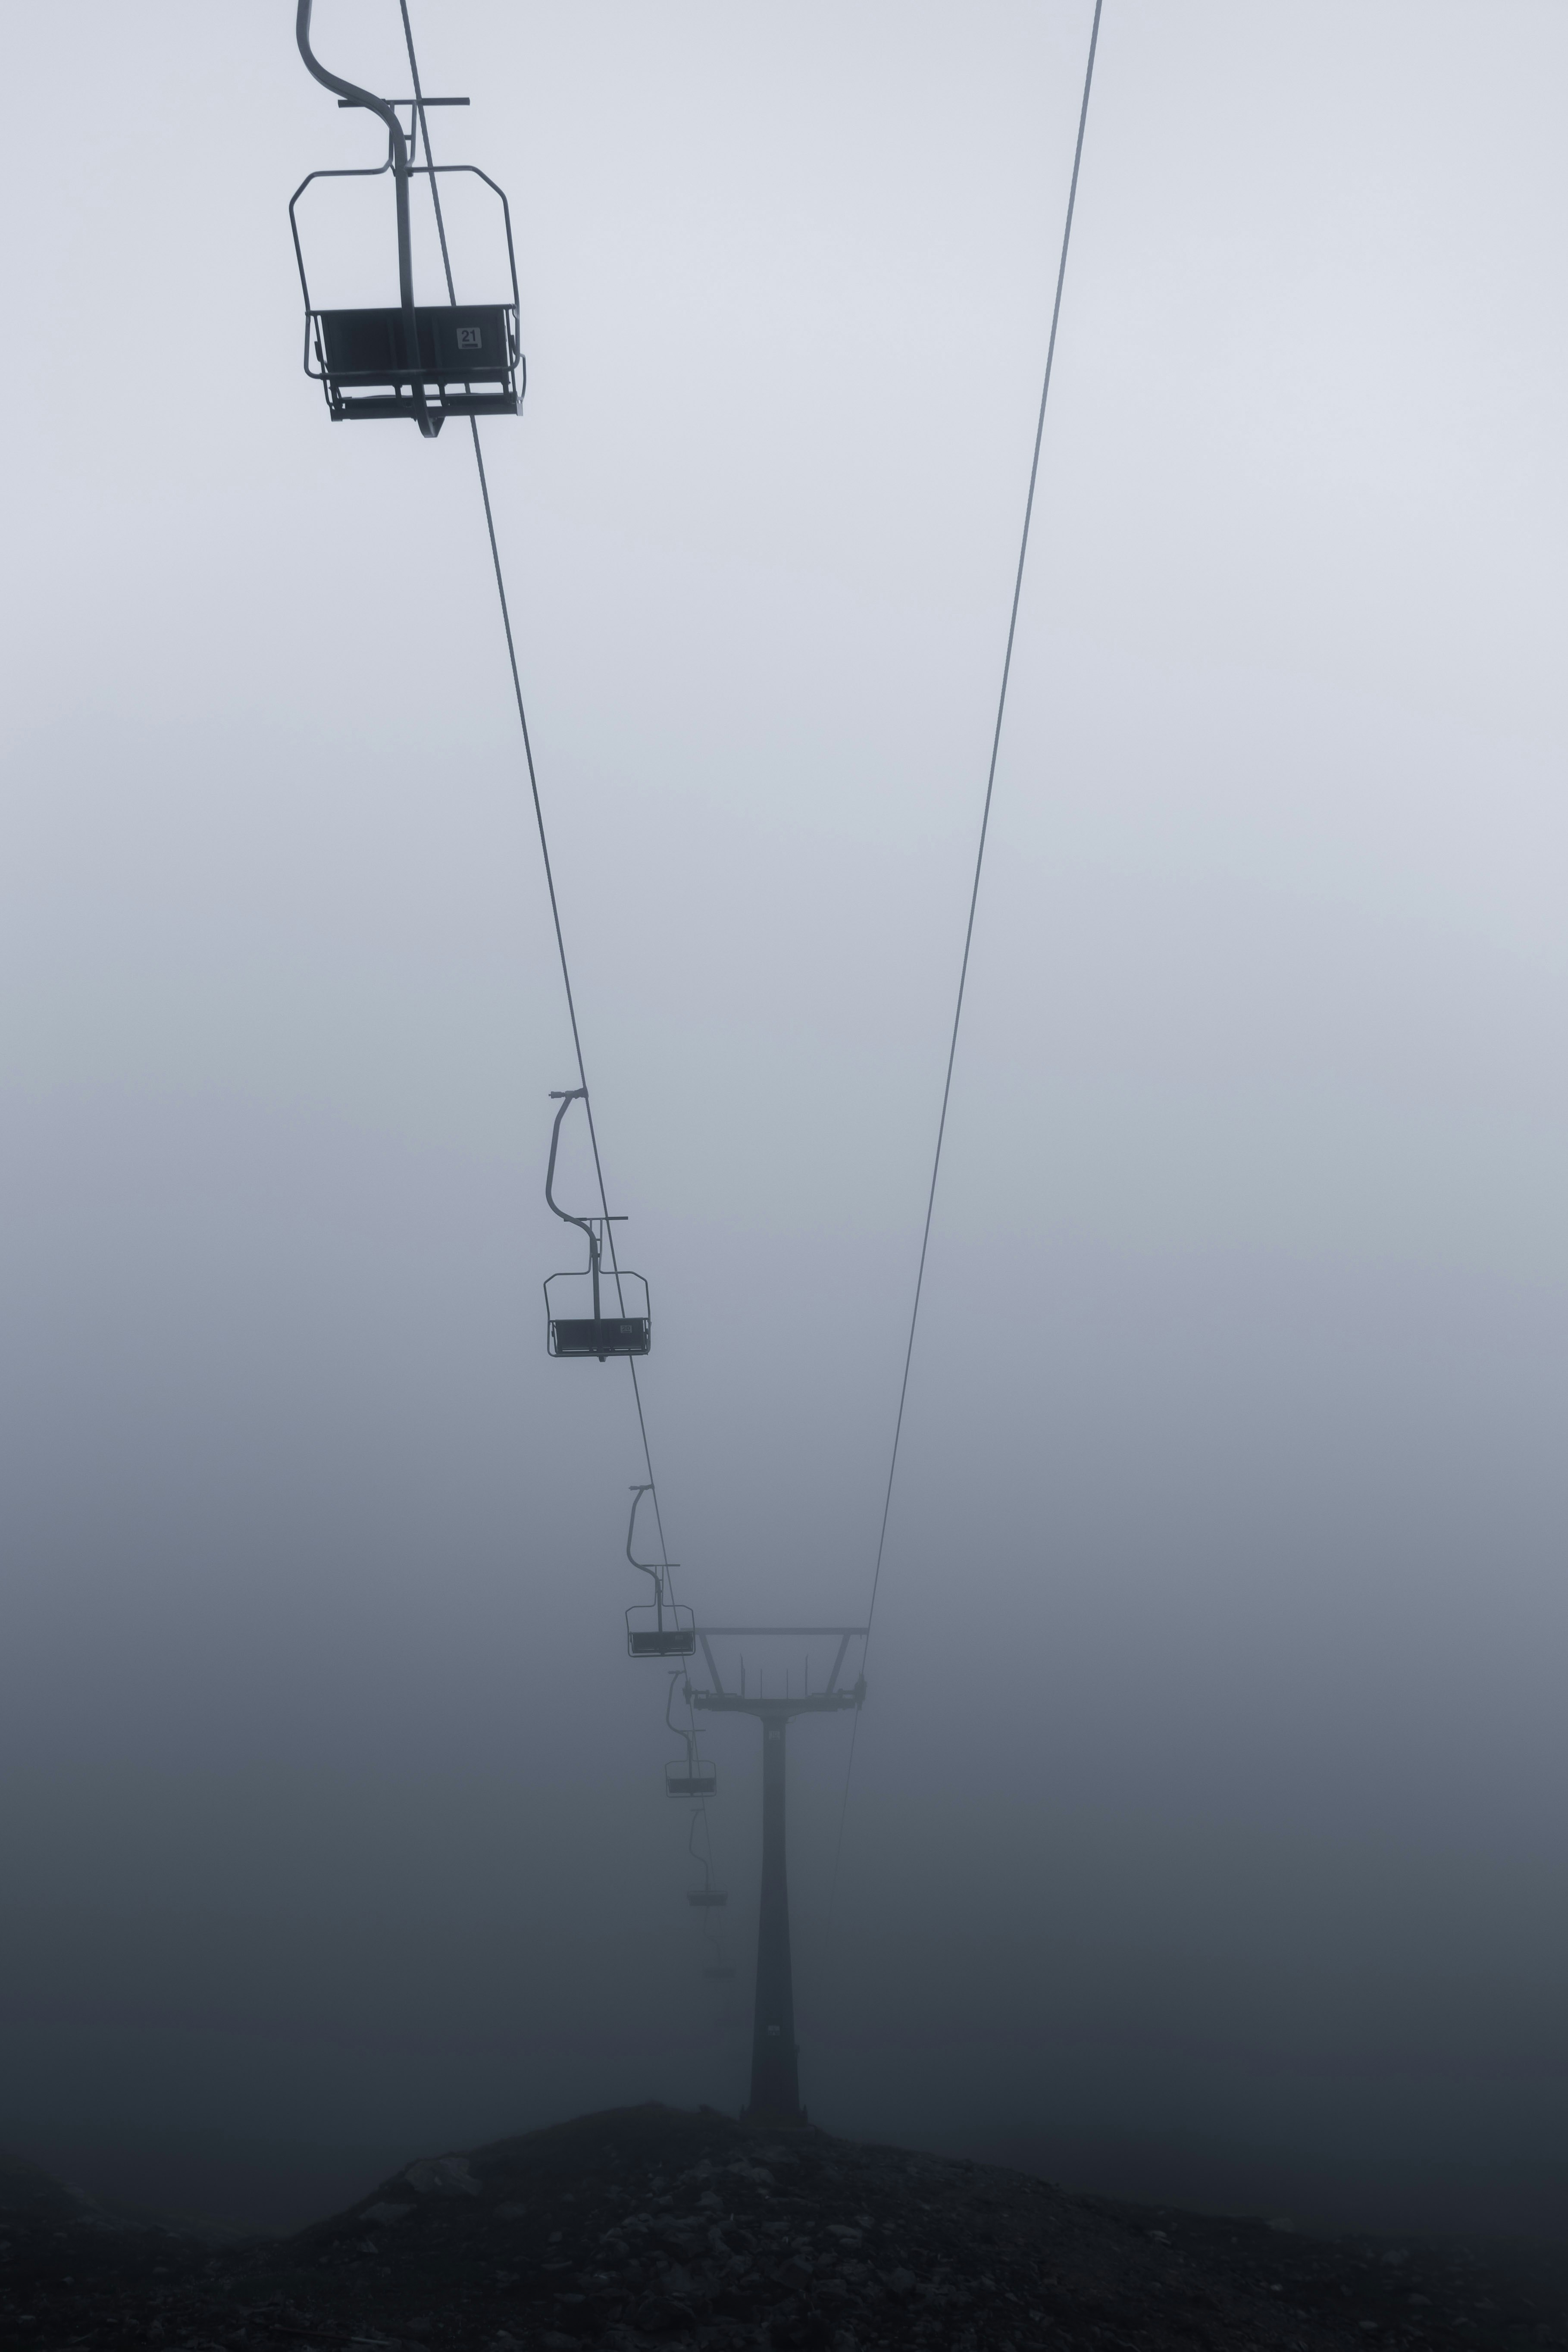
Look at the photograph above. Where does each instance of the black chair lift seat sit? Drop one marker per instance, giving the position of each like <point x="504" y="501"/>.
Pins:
<point x="673" y="1639"/>
<point x="707" y="1898"/>
<point x="693" y="1780"/>
<point x="468" y="360"/>
<point x="602" y="1336"/>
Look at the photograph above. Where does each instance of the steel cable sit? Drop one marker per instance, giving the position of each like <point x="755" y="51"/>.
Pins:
<point x="543" y="841"/>
<point x="973" y="903"/>
<point x="533" y="785"/>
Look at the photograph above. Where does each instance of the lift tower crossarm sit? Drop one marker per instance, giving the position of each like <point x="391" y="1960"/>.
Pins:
<point x="772" y="1710"/>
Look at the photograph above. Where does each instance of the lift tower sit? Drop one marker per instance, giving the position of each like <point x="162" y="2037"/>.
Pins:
<point x="775" y="2082"/>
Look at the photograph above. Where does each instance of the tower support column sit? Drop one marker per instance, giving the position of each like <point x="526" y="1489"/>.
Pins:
<point x="775" y="2069"/>
<point x="775" y="2079"/>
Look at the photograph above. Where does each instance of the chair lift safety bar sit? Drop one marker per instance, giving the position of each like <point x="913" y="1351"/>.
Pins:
<point x="417" y="362"/>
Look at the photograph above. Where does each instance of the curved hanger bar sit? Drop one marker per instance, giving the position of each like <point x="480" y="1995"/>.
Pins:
<point x="681" y="1733"/>
<point x="704" y="1861"/>
<point x="428" y="424"/>
<point x="656" y="1569"/>
<point x="566" y="1100"/>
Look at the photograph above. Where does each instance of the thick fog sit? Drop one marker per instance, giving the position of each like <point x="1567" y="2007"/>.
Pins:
<point x="1205" y="1837"/>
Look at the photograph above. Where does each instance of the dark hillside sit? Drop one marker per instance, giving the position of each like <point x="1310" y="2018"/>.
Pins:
<point x="650" y="2226"/>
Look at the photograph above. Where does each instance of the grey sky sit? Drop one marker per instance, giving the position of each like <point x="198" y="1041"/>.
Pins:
<point x="1210" y="1792"/>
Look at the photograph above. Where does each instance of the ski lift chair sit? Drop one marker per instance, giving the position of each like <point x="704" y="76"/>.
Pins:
<point x="706" y="1897"/>
<point x="574" y="1303"/>
<point x="423" y="363"/>
<point x="659" y="1629"/>
<point x="691" y="1775"/>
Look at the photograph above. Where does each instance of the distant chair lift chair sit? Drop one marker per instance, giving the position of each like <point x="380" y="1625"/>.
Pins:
<point x="627" y="1333"/>
<point x="706" y="1897"/>
<point x="691" y="1775"/>
<point x="662" y="1630"/>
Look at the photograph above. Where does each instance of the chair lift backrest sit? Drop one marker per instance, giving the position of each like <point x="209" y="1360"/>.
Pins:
<point x="429" y="423"/>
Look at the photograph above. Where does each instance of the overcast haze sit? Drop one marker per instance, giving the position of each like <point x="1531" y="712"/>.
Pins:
<point x="1207" y="1835"/>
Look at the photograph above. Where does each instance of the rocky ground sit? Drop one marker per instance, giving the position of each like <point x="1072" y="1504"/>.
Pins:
<point x="650" y="2227"/>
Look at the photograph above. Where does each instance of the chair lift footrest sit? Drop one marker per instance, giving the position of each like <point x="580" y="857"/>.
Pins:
<point x="346" y="409"/>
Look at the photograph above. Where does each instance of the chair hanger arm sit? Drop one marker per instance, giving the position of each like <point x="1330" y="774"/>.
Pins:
<point x="428" y="424"/>
<point x="656" y="1569"/>
<point x="566" y="1100"/>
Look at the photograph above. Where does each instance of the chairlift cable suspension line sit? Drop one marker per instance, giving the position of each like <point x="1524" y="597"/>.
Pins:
<point x="423" y="125"/>
<point x="426" y="364"/>
<point x="974" y="901"/>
